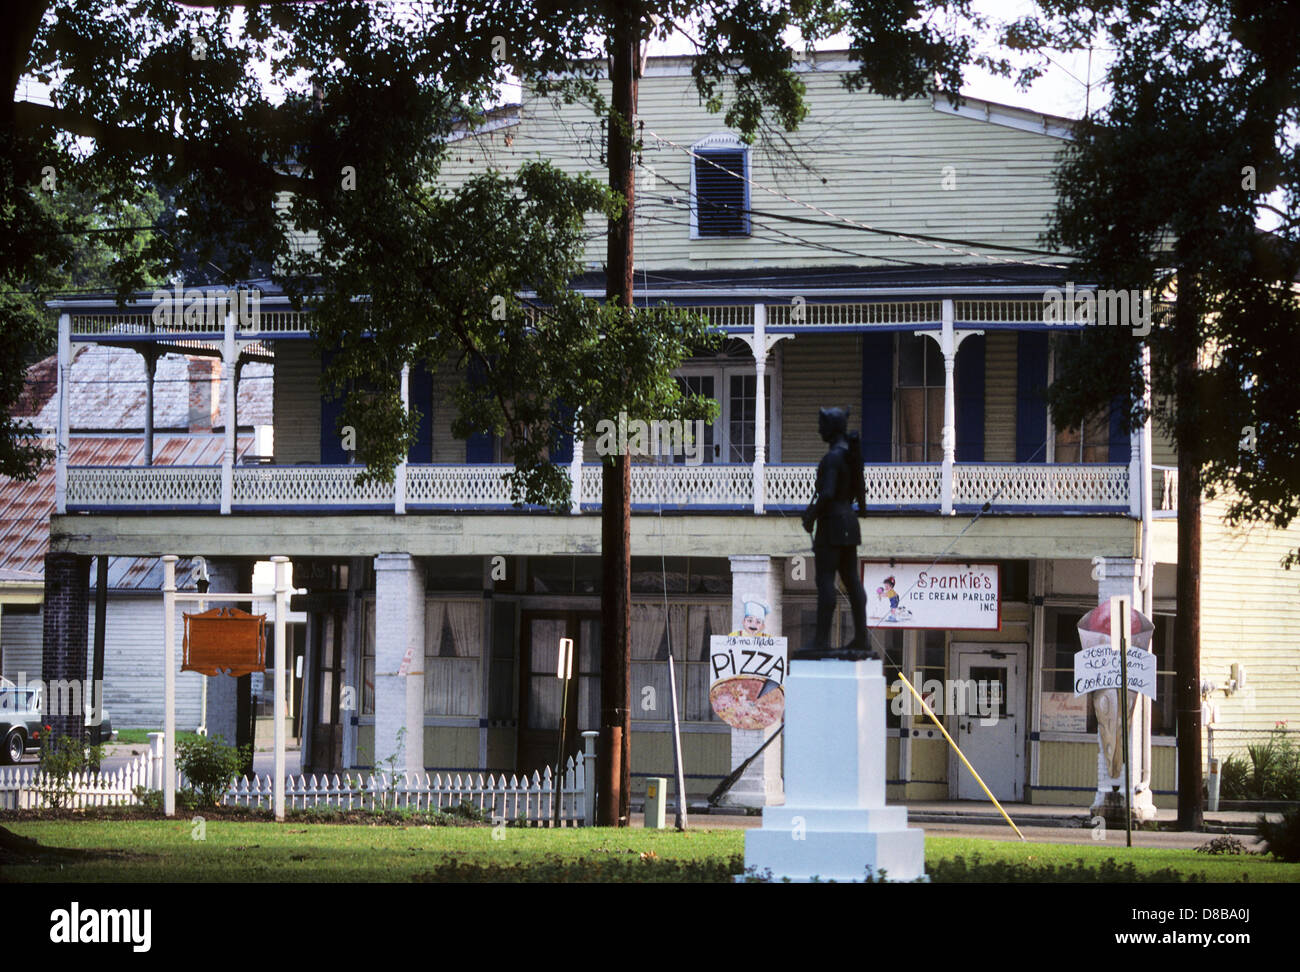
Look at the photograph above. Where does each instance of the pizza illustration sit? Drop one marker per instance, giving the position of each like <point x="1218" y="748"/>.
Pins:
<point x="741" y="703"/>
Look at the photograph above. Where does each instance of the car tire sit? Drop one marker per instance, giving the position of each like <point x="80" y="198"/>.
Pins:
<point x="14" y="747"/>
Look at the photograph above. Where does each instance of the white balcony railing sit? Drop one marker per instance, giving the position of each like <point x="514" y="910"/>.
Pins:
<point x="1011" y="487"/>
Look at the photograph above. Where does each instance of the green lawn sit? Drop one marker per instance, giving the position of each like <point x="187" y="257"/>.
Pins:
<point x="241" y="851"/>
<point x="140" y="737"/>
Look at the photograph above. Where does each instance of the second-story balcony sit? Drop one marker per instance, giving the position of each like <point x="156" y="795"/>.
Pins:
<point x="893" y="487"/>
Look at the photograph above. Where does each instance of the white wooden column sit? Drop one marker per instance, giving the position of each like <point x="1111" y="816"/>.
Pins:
<point x="281" y="677"/>
<point x="229" y="356"/>
<point x="399" y="474"/>
<point x="150" y="370"/>
<point x="949" y="340"/>
<point x="169" y="685"/>
<point x="760" y="344"/>
<point x="575" y="473"/>
<point x="61" y="435"/>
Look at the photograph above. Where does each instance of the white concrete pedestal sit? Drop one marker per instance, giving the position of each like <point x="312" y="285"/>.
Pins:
<point x="835" y="825"/>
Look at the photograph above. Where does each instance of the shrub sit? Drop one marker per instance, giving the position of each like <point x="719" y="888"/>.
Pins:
<point x="1234" y="779"/>
<point x="61" y="757"/>
<point x="1282" y="839"/>
<point x="210" y="766"/>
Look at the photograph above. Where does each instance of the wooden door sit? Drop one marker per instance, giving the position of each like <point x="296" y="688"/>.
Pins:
<point x="540" y="691"/>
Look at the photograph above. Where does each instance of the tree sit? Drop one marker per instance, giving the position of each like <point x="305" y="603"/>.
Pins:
<point x="169" y="92"/>
<point x="1162" y="190"/>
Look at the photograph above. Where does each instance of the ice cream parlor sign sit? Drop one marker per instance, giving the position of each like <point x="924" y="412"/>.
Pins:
<point x="926" y="595"/>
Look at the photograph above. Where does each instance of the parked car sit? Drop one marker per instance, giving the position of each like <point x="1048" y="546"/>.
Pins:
<point x="22" y="723"/>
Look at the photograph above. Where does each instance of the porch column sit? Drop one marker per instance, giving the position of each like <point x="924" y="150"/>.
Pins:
<point x="760" y="345"/>
<point x="150" y="368"/>
<point x="65" y="638"/>
<point x="61" y="437"/>
<point x="1121" y="576"/>
<point x="399" y="474"/>
<point x="228" y="359"/>
<point x="756" y="577"/>
<point x="949" y="340"/>
<point x="575" y="475"/>
<point x="399" y="662"/>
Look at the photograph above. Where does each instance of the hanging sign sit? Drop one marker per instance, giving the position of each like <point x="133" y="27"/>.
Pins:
<point x="224" y="641"/>
<point x="924" y="595"/>
<point x="1097" y="664"/>
<point x="747" y="680"/>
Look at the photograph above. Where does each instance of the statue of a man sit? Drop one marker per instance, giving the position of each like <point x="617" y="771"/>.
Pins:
<point x="835" y="544"/>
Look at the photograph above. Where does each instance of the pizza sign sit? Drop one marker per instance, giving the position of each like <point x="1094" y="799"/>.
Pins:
<point x="748" y="677"/>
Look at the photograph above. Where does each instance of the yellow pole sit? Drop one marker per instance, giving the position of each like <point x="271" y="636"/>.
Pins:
<point x="959" y="753"/>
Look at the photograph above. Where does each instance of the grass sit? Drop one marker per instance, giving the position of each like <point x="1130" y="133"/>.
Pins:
<point x="244" y="851"/>
<point x="140" y="737"/>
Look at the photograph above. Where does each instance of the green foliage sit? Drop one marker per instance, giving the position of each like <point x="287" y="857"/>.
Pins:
<point x="1205" y="91"/>
<point x="1271" y="772"/>
<point x="977" y="870"/>
<point x="210" y="766"/>
<point x="61" y="759"/>
<point x="1282" y="838"/>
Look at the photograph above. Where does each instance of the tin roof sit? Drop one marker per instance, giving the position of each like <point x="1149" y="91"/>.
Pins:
<point x="107" y="393"/>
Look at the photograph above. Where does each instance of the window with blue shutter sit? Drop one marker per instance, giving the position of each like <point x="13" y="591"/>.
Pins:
<point x="721" y="193"/>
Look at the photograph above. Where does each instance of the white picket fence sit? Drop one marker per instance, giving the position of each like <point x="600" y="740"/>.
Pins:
<point x="26" y="788"/>
<point x="530" y="800"/>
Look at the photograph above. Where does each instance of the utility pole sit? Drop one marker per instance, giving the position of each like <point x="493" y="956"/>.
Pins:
<point x="614" y="784"/>
<point x="1187" y="622"/>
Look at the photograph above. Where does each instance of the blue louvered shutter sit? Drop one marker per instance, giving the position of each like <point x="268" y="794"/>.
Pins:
<point x="877" y="397"/>
<point x="480" y="447"/>
<point x="421" y="397"/>
<point x="332" y="452"/>
<point x="720" y="196"/>
<point x="1120" y="443"/>
<point x="968" y="380"/>
<point x="1031" y="406"/>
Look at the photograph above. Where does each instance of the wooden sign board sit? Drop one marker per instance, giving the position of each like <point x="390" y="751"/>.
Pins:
<point x="224" y="641"/>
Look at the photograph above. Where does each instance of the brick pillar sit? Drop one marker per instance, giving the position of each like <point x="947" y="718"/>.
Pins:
<point x="65" y="641"/>
<point x="756" y="577"/>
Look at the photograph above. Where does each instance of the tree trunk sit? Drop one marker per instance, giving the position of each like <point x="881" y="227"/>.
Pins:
<point x="614" y="777"/>
<point x="1187" y="622"/>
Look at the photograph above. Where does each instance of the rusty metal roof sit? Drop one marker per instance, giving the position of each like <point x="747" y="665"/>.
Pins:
<point x="25" y="507"/>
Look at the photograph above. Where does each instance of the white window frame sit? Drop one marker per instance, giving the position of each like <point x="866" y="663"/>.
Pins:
<point x="731" y="142"/>
<point x="722" y="369"/>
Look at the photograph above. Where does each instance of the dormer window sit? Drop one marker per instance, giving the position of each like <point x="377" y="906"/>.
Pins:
<point x="719" y="187"/>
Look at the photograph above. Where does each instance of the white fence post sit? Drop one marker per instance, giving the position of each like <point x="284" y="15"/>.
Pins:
<point x="589" y="777"/>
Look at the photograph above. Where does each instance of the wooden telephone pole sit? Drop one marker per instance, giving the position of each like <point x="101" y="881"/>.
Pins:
<point x="614" y="780"/>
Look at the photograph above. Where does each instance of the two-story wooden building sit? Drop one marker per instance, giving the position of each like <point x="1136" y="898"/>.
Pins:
<point x="885" y="257"/>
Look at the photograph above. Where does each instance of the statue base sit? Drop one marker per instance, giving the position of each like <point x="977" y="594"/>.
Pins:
<point x="834" y="825"/>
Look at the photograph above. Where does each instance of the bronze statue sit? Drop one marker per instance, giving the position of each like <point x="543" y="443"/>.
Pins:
<point x="835" y="544"/>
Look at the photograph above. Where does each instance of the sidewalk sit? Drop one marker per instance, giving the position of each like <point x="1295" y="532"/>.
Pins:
<point x="975" y="814"/>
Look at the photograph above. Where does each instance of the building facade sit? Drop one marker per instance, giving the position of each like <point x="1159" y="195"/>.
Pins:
<point x="884" y="258"/>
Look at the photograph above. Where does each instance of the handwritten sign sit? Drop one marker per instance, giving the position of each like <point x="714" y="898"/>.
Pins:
<point x="1064" y="712"/>
<point x="1098" y="667"/>
<point x="747" y="680"/>
<point x="925" y="595"/>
